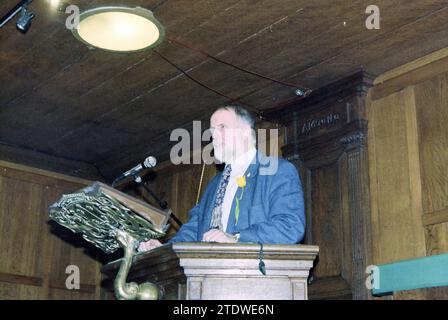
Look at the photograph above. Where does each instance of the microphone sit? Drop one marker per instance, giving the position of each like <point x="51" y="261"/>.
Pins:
<point x="149" y="162"/>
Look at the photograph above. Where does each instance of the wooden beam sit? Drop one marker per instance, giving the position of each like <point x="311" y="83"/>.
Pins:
<point x="418" y="63"/>
<point x="412" y="77"/>
<point x="46" y="164"/>
<point x="7" y="166"/>
<point x="20" y="279"/>
<point x="435" y="217"/>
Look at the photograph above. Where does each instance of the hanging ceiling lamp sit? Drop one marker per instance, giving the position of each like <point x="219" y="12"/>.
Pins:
<point x="119" y="29"/>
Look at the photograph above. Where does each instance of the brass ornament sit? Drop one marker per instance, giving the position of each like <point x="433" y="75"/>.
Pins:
<point x="108" y="224"/>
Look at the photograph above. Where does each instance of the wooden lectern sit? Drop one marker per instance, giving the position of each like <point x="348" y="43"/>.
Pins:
<point x="218" y="271"/>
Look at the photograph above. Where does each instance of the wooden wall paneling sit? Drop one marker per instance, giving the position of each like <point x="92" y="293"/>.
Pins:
<point x="188" y="183"/>
<point x="21" y="226"/>
<point x="384" y="152"/>
<point x="6" y="240"/>
<point x="9" y="291"/>
<point x="409" y="295"/>
<point x="378" y="216"/>
<point x="398" y="230"/>
<point x="31" y="159"/>
<point x="20" y="273"/>
<point x="325" y="137"/>
<point x="437" y="239"/>
<point x="70" y="249"/>
<point x="346" y="230"/>
<point x="162" y="187"/>
<point x="435" y="217"/>
<point x="58" y="246"/>
<point x="375" y="217"/>
<point x="209" y="173"/>
<point x="412" y="77"/>
<point x="83" y="256"/>
<point x="50" y="242"/>
<point x="178" y="185"/>
<point x="326" y="221"/>
<point x="63" y="294"/>
<point x="329" y="288"/>
<point x="431" y="102"/>
<point x="415" y="178"/>
<point x="435" y="293"/>
<point x="33" y="257"/>
<point x="408" y="134"/>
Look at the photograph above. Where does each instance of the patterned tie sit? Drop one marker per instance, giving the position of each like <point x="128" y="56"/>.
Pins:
<point x="216" y="222"/>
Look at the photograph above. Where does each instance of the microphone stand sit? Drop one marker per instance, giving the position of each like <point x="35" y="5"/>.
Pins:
<point x="162" y="204"/>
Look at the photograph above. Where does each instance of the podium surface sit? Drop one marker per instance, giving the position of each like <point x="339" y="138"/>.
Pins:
<point x="219" y="271"/>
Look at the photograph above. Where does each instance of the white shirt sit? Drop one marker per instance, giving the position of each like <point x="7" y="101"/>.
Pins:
<point x="239" y="168"/>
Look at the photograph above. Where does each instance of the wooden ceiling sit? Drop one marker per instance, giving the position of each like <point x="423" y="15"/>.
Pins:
<point x="60" y="98"/>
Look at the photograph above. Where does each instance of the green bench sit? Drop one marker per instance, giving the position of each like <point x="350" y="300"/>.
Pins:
<point x="426" y="272"/>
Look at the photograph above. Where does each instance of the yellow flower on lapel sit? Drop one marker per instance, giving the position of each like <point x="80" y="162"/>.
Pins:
<point x="241" y="181"/>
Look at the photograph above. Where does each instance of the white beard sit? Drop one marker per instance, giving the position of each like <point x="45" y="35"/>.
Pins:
<point x="221" y="154"/>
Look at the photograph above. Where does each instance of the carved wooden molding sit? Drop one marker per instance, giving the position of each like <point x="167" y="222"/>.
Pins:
<point x="327" y="148"/>
<point x="356" y="84"/>
<point x="359" y="208"/>
<point x="324" y="121"/>
<point x="326" y="130"/>
<point x="356" y="140"/>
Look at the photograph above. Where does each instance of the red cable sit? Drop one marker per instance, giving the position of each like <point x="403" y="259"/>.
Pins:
<point x="306" y="91"/>
<point x="207" y="87"/>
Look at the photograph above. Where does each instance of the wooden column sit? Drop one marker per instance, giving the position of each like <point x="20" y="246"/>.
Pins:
<point x="325" y="137"/>
<point x="359" y="208"/>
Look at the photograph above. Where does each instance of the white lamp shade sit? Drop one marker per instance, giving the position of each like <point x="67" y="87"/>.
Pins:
<point x="119" y="29"/>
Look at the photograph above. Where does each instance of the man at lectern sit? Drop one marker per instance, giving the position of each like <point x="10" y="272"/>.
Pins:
<point x="256" y="199"/>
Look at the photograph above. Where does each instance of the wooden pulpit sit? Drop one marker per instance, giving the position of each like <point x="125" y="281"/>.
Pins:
<point x="218" y="271"/>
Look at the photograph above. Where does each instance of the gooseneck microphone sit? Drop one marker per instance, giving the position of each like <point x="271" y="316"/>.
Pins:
<point x="149" y="162"/>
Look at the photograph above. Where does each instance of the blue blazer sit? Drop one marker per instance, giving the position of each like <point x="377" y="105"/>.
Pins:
<point x="271" y="208"/>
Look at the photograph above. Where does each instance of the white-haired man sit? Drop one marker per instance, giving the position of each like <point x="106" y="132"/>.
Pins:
<point x="246" y="202"/>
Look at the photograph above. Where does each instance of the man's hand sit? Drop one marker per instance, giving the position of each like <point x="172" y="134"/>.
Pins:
<point x="149" y="245"/>
<point x="216" y="235"/>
